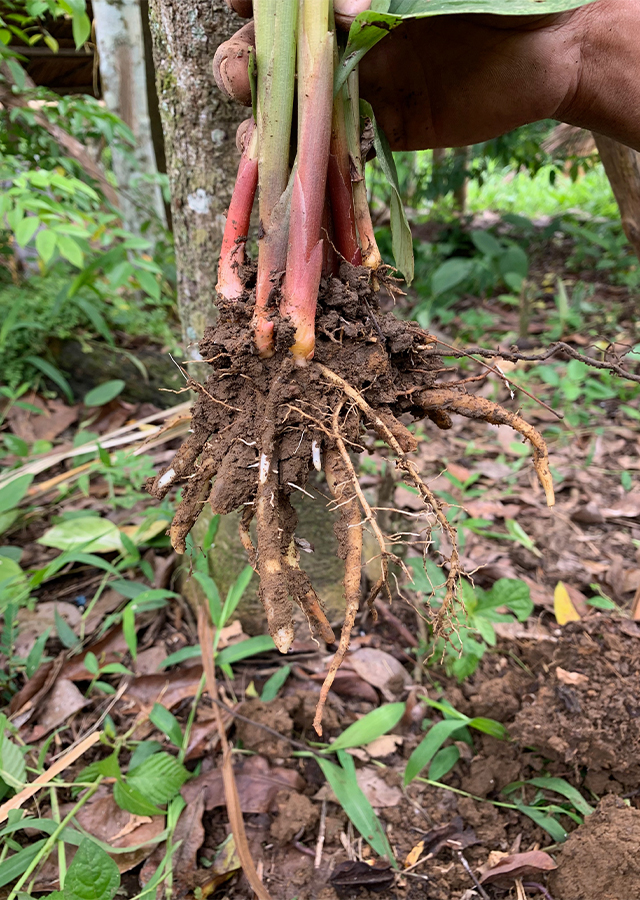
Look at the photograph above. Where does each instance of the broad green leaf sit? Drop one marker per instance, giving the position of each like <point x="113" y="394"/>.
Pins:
<point x="133" y="801"/>
<point x="92" y="875"/>
<point x="70" y="250"/>
<point x="26" y="230"/>
<point x="35" y="654"/>
<point x="353" y="801"/>
<point x="560" y="786"/>
<point x="429" y="746"/>
<point x="11" y="494"/>
<point x="369" y="727"/>
<point x="509" y="592"/>
<point x="158" y="778"/>
<point x="143" y="751"/>
<point x="442" y="763"/>
<point x="93" y="534"/>
<point x="104" y="393"/>
<point x="167" y="723"/>
<point x="12" y="578"/>
<point x="212" y="594"/>
<point x="273" y="684"/>
<point x="370" y="27"/>
<point x="181" y="655"/>
<point x="13" y="770"/>
<point x="81" y="28"/>
<point x="401" y="239"/>
<point x="149" y="283"/>
<point x="262" y="643"/>
<point x="234" y="596"/>
<point x="486" y="243"/>
<point x="450" y="274"/>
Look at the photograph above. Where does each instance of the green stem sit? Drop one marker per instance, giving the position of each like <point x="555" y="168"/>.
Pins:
<point x="51" y="840"/>
<point x="62" y="858"/>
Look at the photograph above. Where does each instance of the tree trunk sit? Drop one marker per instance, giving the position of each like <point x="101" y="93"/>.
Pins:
<point x="123" y="76"/>
<point x="622" y="165"/>
<point x="199" y="133"/>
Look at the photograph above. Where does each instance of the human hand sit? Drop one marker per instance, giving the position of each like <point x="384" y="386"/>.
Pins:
<point x="449" y="81"/>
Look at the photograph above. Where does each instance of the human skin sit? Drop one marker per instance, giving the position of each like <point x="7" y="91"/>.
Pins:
<point x="449" y="81"/>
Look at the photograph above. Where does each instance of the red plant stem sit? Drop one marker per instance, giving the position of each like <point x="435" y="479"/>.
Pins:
<point x="304" y="257"/>
<point x="236" y="229"/>
<point x="330" y="263"/>
<point x="340" y="188"/>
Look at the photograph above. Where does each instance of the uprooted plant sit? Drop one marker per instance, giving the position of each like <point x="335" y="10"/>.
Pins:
<point x="304" y="362"/>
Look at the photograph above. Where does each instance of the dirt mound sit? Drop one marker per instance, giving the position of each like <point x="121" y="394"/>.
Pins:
<point x="601" y="858"/>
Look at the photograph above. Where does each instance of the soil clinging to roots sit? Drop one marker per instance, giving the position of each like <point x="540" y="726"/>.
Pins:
<point x="260" y="425"/>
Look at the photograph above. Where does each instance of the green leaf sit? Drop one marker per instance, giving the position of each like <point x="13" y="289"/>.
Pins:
<point x="234" y="596"/>
<point x="149" y="283"/>
<point x="35" y="654"/>
<point x="81" y="28"/>
<point x="368" y="728"/>
<point x="353" y="801"/>
<point x="11" y="494"/>
<point x="450" y="274"/>
<point x="167" y="723"/>
<point x="486" y="243"/>
<point x="93" y="534"/>
<point x="53" y="373"/>
<point x="442" y="763"/>
<point x="489" y="726"/>
<point x="64" y="631"/>
<point x="92" y="875"/>
<point x="370" y="27"/>
<point x="143" y="751"/>
<point x="13" y="770"/>
<point x="560" y="786"/>
<point x="430" y="744"/>
<point x="70" y="250"/>
<point x="509" y="592"/>
<point x="181" y="655"/>
<point x="91" y="663"/>
<point x="262" y="643"/>
<point x="26" y="230"/>
<point x="133" y="801"/>
<point x="401" y="239"/>
<point x="104" y="393"/>
<point x="16" y="865"/>
<point x="158" y="778"/>
<point x="212" y="594"/>
<point x="550" y="825"/>
<point x="273" y="684"/>
<point x="13" y="581"/>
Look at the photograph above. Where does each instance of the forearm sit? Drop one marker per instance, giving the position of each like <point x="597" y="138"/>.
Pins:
<point x="607" y="95"/>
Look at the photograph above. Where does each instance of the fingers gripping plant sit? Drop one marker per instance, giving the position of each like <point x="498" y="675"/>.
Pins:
<point x="304" y="363"/>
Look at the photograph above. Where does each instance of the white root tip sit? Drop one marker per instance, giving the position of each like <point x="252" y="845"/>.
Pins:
<point x="167" y="478"/>
<point x="283" y="638"/>
<point x="315" y="456"/>
<point x="263" y="473"/>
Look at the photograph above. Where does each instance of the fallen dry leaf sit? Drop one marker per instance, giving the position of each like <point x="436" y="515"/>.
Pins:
<point x="518" y="865"/>
<point x="55" y="418"/>
<point x="64" y="701"/>
<point x="563" y="608"/>
<point x="347" y="684"/>
<point x="571" y="678"/>
<point x="33" y="622"/>
<point x="381" y="670"/>
<point x="170" y="688"/>
<point x="384" y="745"/>
<point x="258" y="785"/>
<point x="355" y="874"/>
<point x="414" y="855"/>
<point x="190" y="832"/>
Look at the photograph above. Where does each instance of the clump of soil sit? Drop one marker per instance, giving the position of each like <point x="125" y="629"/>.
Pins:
<point x="601" y="858"/>
<point x="260" y="426"/>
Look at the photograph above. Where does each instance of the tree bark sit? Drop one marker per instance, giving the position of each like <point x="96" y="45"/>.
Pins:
<point x="120" y="42"/>
<point x="199" y="126"/>
<point x="622" y="165"/>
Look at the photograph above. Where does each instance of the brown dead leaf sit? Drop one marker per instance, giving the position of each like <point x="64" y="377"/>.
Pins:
<point x="170" y="687"/>
<point x="384" y="745"/>
<point x="64" y="701"/>
<point x="628" y="507"/>
<point x="190" y="832"/>
<point x="571" y="678"/>
<point x="381" y="670"/>
<point x="354" y="874"/>
<point x="518" y="865"/>
<point x="347" y="684"/>
<point x="458" y="471"/>
<point x="414" y="855"/>
<point x="148" y="661"/>
<point x="55" y="418"/>
<point x="258" y="785"/>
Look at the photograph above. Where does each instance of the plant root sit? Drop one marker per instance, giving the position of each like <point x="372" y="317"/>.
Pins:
<point x="261" y="425"/>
